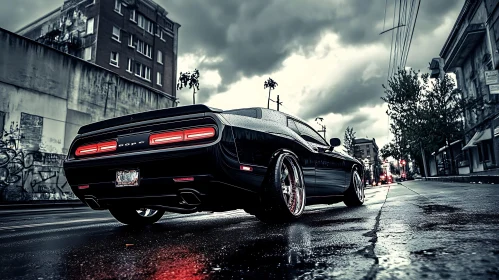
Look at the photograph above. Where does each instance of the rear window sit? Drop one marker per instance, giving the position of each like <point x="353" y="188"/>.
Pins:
<point x="243" y="112"/>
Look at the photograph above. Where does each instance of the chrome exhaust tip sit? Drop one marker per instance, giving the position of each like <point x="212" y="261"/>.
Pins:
<point x="93" y="203"/>
<point x="189" y="198"/>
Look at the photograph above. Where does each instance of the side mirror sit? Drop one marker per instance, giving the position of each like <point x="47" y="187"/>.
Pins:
<point x="335" y="142"/>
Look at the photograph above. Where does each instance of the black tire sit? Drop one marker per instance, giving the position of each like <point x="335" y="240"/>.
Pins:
<point x="281" y="202"/>
<point x="354" y="195"/>
<point x="130" y="216"/>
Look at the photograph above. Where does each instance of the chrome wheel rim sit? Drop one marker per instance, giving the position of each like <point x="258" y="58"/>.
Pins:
<point x="146" y="212"/>
<point x="358" y="186"/>
<point x="293" y="189"/>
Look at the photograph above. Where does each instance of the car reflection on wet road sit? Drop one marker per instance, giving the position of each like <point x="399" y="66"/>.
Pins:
<point x="412" y="230"/>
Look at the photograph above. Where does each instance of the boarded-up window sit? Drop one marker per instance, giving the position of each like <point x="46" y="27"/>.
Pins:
<point x="31" y="131"/>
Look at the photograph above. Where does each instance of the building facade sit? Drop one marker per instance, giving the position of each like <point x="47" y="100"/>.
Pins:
<point x="133" y="38"/>
<point x="368" y="152"/>
<point x="45" y="96"/>
<point x="470" y="52"/>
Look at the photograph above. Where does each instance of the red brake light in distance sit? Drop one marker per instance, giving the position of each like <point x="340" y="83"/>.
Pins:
<point x="98" y="148"/>
<point x="181" y="136"/>
<point x="166" y="138"/>
<point x="199" y="133"/>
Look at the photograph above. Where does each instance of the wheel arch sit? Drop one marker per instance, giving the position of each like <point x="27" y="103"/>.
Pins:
<point x="359" y="167"/>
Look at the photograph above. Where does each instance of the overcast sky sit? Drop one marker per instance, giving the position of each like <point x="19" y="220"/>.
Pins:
<point x="326" y="55"/>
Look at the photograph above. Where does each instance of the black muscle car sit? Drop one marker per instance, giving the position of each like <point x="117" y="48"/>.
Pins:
<point x="196" y="158"/>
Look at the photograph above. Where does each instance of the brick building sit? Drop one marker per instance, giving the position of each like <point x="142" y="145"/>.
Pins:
<point x="133" y="38"/>
<point x="367" y="150"/>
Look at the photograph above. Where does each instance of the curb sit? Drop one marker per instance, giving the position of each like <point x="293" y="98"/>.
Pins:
<point x="41" y="204"/>
<point x="481" y="179"/>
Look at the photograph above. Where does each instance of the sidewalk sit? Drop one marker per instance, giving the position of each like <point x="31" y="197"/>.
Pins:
<point x="468" y="178"/>
<point x="7" y="205"/>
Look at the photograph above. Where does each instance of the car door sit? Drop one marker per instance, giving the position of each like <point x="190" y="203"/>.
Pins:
<point x="329" y="165"/>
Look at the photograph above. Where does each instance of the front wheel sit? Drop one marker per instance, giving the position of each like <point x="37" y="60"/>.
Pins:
<point x="137" y="217"/>
<point x="284" y="195"/>
<point x="354" y="196"/>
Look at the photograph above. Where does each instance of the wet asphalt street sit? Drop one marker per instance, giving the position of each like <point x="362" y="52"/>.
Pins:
<point x="417" y="230"/>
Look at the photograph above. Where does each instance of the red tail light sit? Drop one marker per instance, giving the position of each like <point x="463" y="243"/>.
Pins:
<point x="181" y="136"/>
<point x="96" y="148"/>
<point x="166" y="138"/>
<point x="199" y="133"/>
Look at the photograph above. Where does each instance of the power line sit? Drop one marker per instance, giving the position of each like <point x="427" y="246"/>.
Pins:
<point x="412" y="33"/>
<point x="391" y="46"/>
<point x="384" y="18"/>
<point x="406" y="37"/>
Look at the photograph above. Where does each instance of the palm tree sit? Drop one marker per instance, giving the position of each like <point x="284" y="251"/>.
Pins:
<point x="271" y="84"/>
<point x="191" y="79"/>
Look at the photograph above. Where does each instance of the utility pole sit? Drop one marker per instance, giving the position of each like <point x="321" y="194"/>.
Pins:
<point x="278" y="102"/>
<point x="322" y="126"/>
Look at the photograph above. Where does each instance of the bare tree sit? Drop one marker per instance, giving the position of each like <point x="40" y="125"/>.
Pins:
<point x="271" y="84"/>
<point x="191" y="80"/>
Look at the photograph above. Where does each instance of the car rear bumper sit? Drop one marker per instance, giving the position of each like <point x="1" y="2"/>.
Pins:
<point x="212" y="176"/>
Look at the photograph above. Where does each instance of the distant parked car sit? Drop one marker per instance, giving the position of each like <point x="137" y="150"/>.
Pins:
<point x="196" y="158"/>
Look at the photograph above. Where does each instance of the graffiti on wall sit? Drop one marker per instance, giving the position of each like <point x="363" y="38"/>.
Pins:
<point x="30" y="174"/>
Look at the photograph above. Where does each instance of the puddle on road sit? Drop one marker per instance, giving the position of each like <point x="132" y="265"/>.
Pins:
<point x="437" y="208"/>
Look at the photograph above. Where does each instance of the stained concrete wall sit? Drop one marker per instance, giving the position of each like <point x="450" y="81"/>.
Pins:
<point x="45" y="96"/>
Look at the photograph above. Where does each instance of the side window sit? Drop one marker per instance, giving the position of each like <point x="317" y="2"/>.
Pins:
<point x="309" y="134"/>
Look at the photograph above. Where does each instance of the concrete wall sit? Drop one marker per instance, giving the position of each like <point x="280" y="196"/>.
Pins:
<point x="45" y="96"/>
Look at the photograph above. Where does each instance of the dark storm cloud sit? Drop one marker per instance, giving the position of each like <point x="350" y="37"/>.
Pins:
<point x="346" y="96"/>
<point x="14" y="14"/>
<point x="255" y="37"/>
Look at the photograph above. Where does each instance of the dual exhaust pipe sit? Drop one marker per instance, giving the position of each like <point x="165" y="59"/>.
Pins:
<point x="187" y="198"/>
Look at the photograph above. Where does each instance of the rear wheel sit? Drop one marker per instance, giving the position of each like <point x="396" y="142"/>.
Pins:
<point x="284" y="194"/>
<point x="136" y="217"/>
<point x="354" y="196"/>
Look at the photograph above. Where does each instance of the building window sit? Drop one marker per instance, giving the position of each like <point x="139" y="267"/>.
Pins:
<point x="90" y="26"/>
<point x="140" y="46"/>
<point x="144" y="48"/>
<point x="132" y="16"/>
<point x="149" y="27"/>
<point x="116" y="33"/>
<point x="160" y="57"/>
<point x="142" y="71"/>
<point x="159" y="78"/>
<point x="169" y="25"/>
<point x="117" y="6"/>
<point x="129" y="66"/>
<point x="146" y="24"/>
<point x="87" y="53"/>
<point x="141" y="21"/>
<point x="115" y="57"/>
<point x="130" y="41"/>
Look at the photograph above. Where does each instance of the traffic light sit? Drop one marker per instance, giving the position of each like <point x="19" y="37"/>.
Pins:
<point x="402" y="162"/>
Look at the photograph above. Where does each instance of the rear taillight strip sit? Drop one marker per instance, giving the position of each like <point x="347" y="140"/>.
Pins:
<point x="181" y="136"/>
<point x="97" y="148"/>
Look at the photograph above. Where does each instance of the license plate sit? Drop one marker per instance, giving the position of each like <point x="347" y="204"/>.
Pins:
<point x="127" y="178"/>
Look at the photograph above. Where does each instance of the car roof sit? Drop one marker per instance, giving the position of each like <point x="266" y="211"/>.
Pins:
<point x="280" y="112"/>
